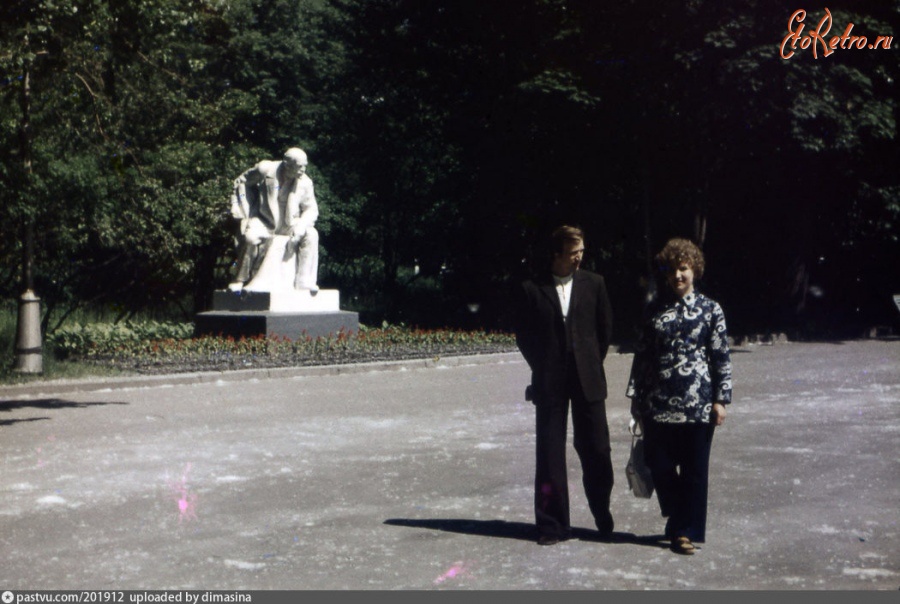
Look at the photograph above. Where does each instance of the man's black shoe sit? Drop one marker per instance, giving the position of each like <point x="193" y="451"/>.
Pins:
<point x="605" y="528"/>
<point x="549" y="539"/>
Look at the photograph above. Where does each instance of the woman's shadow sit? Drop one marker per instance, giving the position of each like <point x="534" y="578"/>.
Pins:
<point x="521" y="530"/>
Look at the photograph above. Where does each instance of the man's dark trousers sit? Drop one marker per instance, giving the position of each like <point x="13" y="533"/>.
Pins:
<point x="551" y="491"/>
<point x="565" y="355"/>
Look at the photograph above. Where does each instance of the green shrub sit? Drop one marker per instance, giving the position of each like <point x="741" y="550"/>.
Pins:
<point x="97" y="339"/>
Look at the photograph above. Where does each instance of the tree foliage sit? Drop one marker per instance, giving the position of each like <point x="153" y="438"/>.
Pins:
<point x="446" y="138"/>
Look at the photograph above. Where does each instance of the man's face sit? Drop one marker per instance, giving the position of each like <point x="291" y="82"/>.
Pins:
<point x="567" y="262"/>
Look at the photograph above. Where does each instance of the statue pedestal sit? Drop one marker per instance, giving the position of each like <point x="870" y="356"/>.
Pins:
<point x="287" y="313"/>
<point x="285" y="300"/>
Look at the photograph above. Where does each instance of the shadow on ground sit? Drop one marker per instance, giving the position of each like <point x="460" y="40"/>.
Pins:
<point x="48" y="404"/>
<point x="520" y="530"/>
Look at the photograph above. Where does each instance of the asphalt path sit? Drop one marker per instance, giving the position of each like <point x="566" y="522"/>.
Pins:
<point x="417" y="476"/>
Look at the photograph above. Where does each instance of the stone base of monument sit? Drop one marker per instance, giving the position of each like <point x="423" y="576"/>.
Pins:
<point x="289" y="313"/>
<point x="288" y="300"/>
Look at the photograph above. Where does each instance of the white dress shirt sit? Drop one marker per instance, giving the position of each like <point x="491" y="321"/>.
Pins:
<point x="564" y="291"/>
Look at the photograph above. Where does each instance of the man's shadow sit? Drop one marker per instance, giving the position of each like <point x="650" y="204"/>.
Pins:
<point x="521" y="530"/>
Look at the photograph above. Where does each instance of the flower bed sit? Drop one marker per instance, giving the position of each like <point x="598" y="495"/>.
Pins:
<point x="133" y="349"/>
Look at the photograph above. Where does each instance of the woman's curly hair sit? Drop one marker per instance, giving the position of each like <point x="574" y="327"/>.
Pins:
<point x="678" y="251"/>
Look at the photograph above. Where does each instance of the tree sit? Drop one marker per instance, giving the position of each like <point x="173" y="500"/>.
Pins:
<point x="445" y="139"/>
<point x="129" y="151"/>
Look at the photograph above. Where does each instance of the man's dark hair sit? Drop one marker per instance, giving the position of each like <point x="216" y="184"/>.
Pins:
<point x="564" y="234"/>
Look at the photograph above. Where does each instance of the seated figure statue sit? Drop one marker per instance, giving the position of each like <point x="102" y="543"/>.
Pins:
<point x="278" y="246"/>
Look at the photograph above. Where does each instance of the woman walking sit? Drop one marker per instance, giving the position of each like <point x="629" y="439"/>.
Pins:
<point x="680" y="384"/>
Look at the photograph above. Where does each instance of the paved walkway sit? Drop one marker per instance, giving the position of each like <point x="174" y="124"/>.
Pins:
<point x="418" y="476"/>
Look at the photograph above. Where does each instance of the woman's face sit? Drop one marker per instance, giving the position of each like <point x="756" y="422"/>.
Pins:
<point x="681" y="279"/>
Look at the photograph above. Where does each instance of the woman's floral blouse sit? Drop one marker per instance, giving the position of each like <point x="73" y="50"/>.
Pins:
<point x="682" y="364"/>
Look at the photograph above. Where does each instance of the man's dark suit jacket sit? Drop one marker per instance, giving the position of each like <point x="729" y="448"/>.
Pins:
<point x="541" y="335"/>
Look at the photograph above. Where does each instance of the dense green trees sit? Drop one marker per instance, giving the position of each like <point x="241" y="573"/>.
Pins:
<point x="445" y="139"/>
<point x="127" y="140"/>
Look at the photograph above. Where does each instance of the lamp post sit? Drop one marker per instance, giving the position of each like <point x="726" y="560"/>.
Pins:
<point x="29" y="353"/>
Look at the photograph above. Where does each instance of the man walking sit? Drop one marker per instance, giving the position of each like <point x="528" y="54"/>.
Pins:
<point x="563" y="326"/>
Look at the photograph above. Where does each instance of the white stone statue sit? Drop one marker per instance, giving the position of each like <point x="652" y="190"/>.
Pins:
<point x="278" y="247"/>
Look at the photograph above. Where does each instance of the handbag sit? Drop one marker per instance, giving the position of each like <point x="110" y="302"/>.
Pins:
<point x="640" y="481"/>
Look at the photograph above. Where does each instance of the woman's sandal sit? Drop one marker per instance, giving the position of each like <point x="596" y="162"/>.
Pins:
<point x="683" y="545"/>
